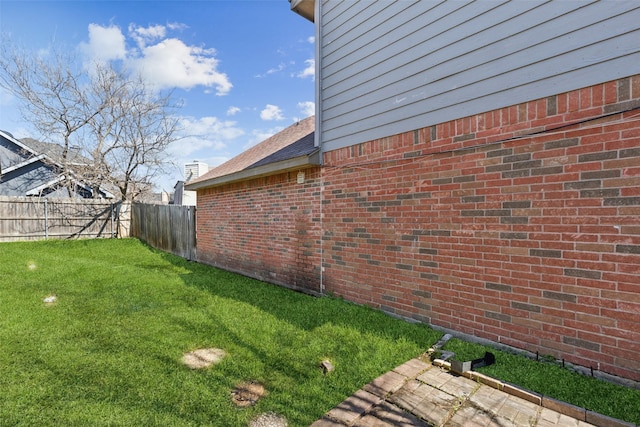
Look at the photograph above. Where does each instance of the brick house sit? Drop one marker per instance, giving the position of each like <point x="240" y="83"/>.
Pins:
<point x="480" y="173"/>
<point x="258" y="213"/>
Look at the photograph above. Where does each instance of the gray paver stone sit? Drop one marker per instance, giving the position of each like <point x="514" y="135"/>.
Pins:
<point x="516" y="409"/>
<point x="385" y="384"/>
<point x="408" y="396"/>
<point x="560" y="420"/>
<point x="435" y="377"/>
<point x="435" y="407"/>
<point x="458" y="386"/>
<point x="488" y="399"/>
<point x="326" y="422"/>
<point x="524" y="419"/>
<point x="437" y="397"/>
<point x="353" y="407"/>
<point x="412" y="368"/>
<point x="390" y="415"/>
<point x="470" y="416"/>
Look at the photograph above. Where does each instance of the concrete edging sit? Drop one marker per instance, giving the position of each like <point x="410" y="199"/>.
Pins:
<point x="564" y="408"/>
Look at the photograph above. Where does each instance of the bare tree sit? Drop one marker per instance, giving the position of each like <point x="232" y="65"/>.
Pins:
<point x="131" y="135"/>
<point x="117" y="122"/>
<point x="51" y="94"/>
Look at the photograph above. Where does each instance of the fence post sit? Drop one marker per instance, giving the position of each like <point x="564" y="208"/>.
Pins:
<point x="46" y="219"/>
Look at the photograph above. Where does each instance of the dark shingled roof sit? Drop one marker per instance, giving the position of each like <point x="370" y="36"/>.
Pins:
<point x="301" y="147"/>
<point x="293" y="142"/>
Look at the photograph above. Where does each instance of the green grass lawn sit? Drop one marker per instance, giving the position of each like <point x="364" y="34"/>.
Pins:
<point x="109" y="351"/>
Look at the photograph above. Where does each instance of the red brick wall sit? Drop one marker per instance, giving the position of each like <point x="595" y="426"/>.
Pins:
<point x="520" y="225"/>
<point x="267" y="228"/>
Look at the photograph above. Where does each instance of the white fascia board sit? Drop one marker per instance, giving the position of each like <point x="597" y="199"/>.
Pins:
<point x="37" y="190"/>
<point x="23" y="164"/>
<point x="18" y="143"/>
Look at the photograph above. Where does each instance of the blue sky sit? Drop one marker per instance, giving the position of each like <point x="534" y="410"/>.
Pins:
<point x="242" y="68"/>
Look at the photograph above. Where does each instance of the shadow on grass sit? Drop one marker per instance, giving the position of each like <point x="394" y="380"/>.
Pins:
<point x="308" y="312"/>
<point x="299" y="309"/>
<point x="111" y="348"/>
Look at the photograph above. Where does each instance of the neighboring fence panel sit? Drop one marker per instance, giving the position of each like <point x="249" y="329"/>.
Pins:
<point x="170" y="228"/>
<point x="29" y="218"/>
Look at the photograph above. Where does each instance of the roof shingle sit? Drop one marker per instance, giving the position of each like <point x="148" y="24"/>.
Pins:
<point x="273" y="148"/>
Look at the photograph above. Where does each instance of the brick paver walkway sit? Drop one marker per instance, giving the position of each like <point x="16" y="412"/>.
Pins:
<point x="418" y="393"/>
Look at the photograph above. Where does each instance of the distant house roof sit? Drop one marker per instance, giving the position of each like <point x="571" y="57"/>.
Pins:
<point x="30" y="168"/>
<point x="292" y="148"/>
<point x="55" y="151"/>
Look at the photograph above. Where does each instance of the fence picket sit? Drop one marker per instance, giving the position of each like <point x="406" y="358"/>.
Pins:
<point x="170" y="228"/>
<point x="32" y="218"/>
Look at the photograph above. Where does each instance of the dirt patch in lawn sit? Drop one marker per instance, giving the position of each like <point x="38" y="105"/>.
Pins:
<point x="247" y="393"/>
<point x="203" y="357"/>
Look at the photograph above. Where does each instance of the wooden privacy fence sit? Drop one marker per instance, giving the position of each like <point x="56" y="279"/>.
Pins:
<point x="33" y="218"/>
<point x="171" y="228"/>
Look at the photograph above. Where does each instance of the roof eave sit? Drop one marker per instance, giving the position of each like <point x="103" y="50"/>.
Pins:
<point x="305" y="8"/>
<point x="14" y="140"/>
<point x="22" y="165"/>
<point x="288" y="165"/>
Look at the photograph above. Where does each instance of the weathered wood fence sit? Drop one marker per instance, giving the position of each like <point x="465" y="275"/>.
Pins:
<point x="171" y="228"/>
<point x="32" y="218"/>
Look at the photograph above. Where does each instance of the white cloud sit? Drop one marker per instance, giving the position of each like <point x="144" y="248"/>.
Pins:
<point x="203" y="138"/>
<point x="144" y="35"/>
<point x="281" y="67"/>
<point x="271" y="112"/>
<point x="232" y="111"/>
<point x="164" y="63"/>
<point x="310" y="71"/>
<point x="311" y="40"/>
<point x="308" y="108"/>
<point x="212" y="131"/>
<point x="105" y="43"/>
<point x="171" y="63"/>
<point x="177" y="26"/>
<point x="277" y="69"/>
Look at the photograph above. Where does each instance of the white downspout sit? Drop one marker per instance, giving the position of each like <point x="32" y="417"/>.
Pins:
<point x="318" y="126"/>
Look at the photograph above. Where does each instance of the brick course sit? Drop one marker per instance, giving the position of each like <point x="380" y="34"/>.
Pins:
<point x="267" y="228"/>
<point x="519" y="225"/>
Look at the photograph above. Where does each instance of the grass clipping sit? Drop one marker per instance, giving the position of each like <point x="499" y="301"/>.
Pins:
<point x="203" y="357"/>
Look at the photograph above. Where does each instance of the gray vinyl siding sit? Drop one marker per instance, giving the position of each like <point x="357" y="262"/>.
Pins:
<point x="387" y="67"/>
<point x="20" y="181"/>
<point x="9" y="154"/>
